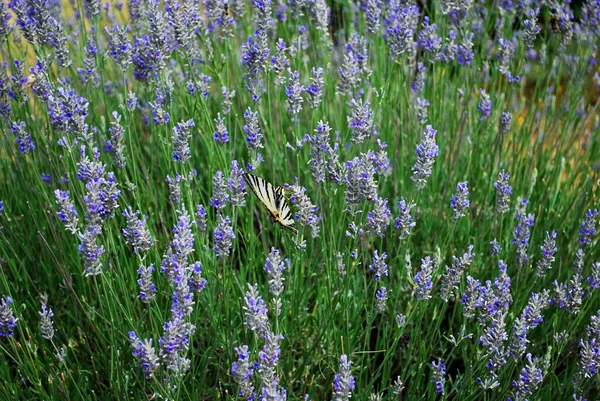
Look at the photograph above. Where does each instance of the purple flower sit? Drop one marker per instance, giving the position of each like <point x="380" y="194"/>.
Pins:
<point x="197" y="283"/>
<point x="503" y="192"/>
<point x="66" y="211"/>
<point x="227" y="96"/>
<point x="256" y="317"/>
<point x="426" y="153"/>
<point x="492" y="340"/>
<point x="176" y="257"/>
<point x="484" y="107"/>
<point x="221" y="134"/>
<point x="7" y="319"/>
<point x="423" y="279"/>
<point x="531" y="27"/>
<point x="506" y="52"/>
<point x="496" y="248"/>
<point x="119" y="47"/>
<point x="505" y="123"/>
<point x="372" y="16"/>
<point x="548" y="251"/>
<point x="91" y="251"/>
<point x="529" y="380"/>
<point x="319" y="146"/>
<point x="242" y="371"/>
<point x="381" y="300"/>
<point x="361" y="121"/>
<point x="236" y="185"/>
<point x="307" y="211"/>
<point x="174" y="189"/>
<point x="439" y="375"/>
<point x="378" y="218"/>
<point x="315" y="89"/>
<point x="379" y="267"/>
<point x="224" y="237"/>
<point x="429" y="41"/>
<point x="454" y="273"/>
<point x="588" y="227"/>
<point x="594" y="279"/>
<point x="421" y="106"/>
<point x="279" y="62"/>
<point x="293" y="92"/>
<point x="220" y="196"/>
<point x="201" y="218"/>
<point x="274" y="267"/>
<point x="267" y="363"/>
<point x="22" y="137"/>
<point x="470" y="299"/>
<point x="349" y="75"/>
<point x="343" y="382"/>
<point x="145" y="354"/>
<point x="181" y="140"/>
<point x="521" y="238"/>
<point x="589" y="364"/>
<point x="46" y="322"/>
<point x="360" y="182"/>
<point x="404" y="222"/>
<point x="252" y="130"/>
<point x="114" y="146"/>
<point x="160" y="116"/>
<point x="147" y="287"/>
<point x="136" y="233"/>
<point x="175" y="343"/>
<point x="401" y="25"/>
<point x="460" y="201"/>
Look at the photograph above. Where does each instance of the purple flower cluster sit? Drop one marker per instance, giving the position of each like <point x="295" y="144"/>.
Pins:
<point x="136" y="233"/>
<point x="307" y="214"/>
<point x="426" y="153"/>
<point x="454" y="273"/>
<point x="145" y="354"/>
<point x="7" y="318"/>
<point x="256" y="318"/>
<point x="236" y="185"/>
<point x="343" y="382"/>
<point x="224" y="236"/>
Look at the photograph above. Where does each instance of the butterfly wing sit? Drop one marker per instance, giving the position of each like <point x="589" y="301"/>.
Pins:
<point x="272" y="199"/>
<point x="286" y="218"/>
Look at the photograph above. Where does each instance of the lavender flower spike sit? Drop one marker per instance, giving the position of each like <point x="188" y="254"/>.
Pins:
<point x="242" y="371"/>
<point x="145" y="354"/>
<point x="530" y="378"/>
<point x="503" y="192"/>
<point x="439" y="376"/>
<point x="182" y="134"/>
<point x="46" y="323"/>
<point x="224" y="237"/>
<point x="453" y="274"/>
<point x="66" y="211"/>
<point x="220" y="196"/>
<point x="267" y="362"/>
<point x="136" y="233"/>
<point x="460" y="201"/>
<point x="256" y="318"/>
<point x="236" y="185"/>
<point x="145" y="284"/>
<point x="381" y="300"/>
<point x="343" y="382"/>
<point x="548" y="251"/>
<point x="405" y="222"/>
<point x="379" y="267"/>
<point x="426" y="153"/>
<point x="588" y="227"/>
<point x="423" y="279"/>
<point x="7" y="319"/>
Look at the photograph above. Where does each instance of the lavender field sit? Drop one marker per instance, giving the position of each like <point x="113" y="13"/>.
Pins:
<point x="442" y="164"/>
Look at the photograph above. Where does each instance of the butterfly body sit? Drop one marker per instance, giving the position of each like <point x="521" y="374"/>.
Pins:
<point x="273" y="200"/>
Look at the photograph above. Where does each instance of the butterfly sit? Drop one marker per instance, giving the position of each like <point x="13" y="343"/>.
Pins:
<point x="273" y="199"/>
